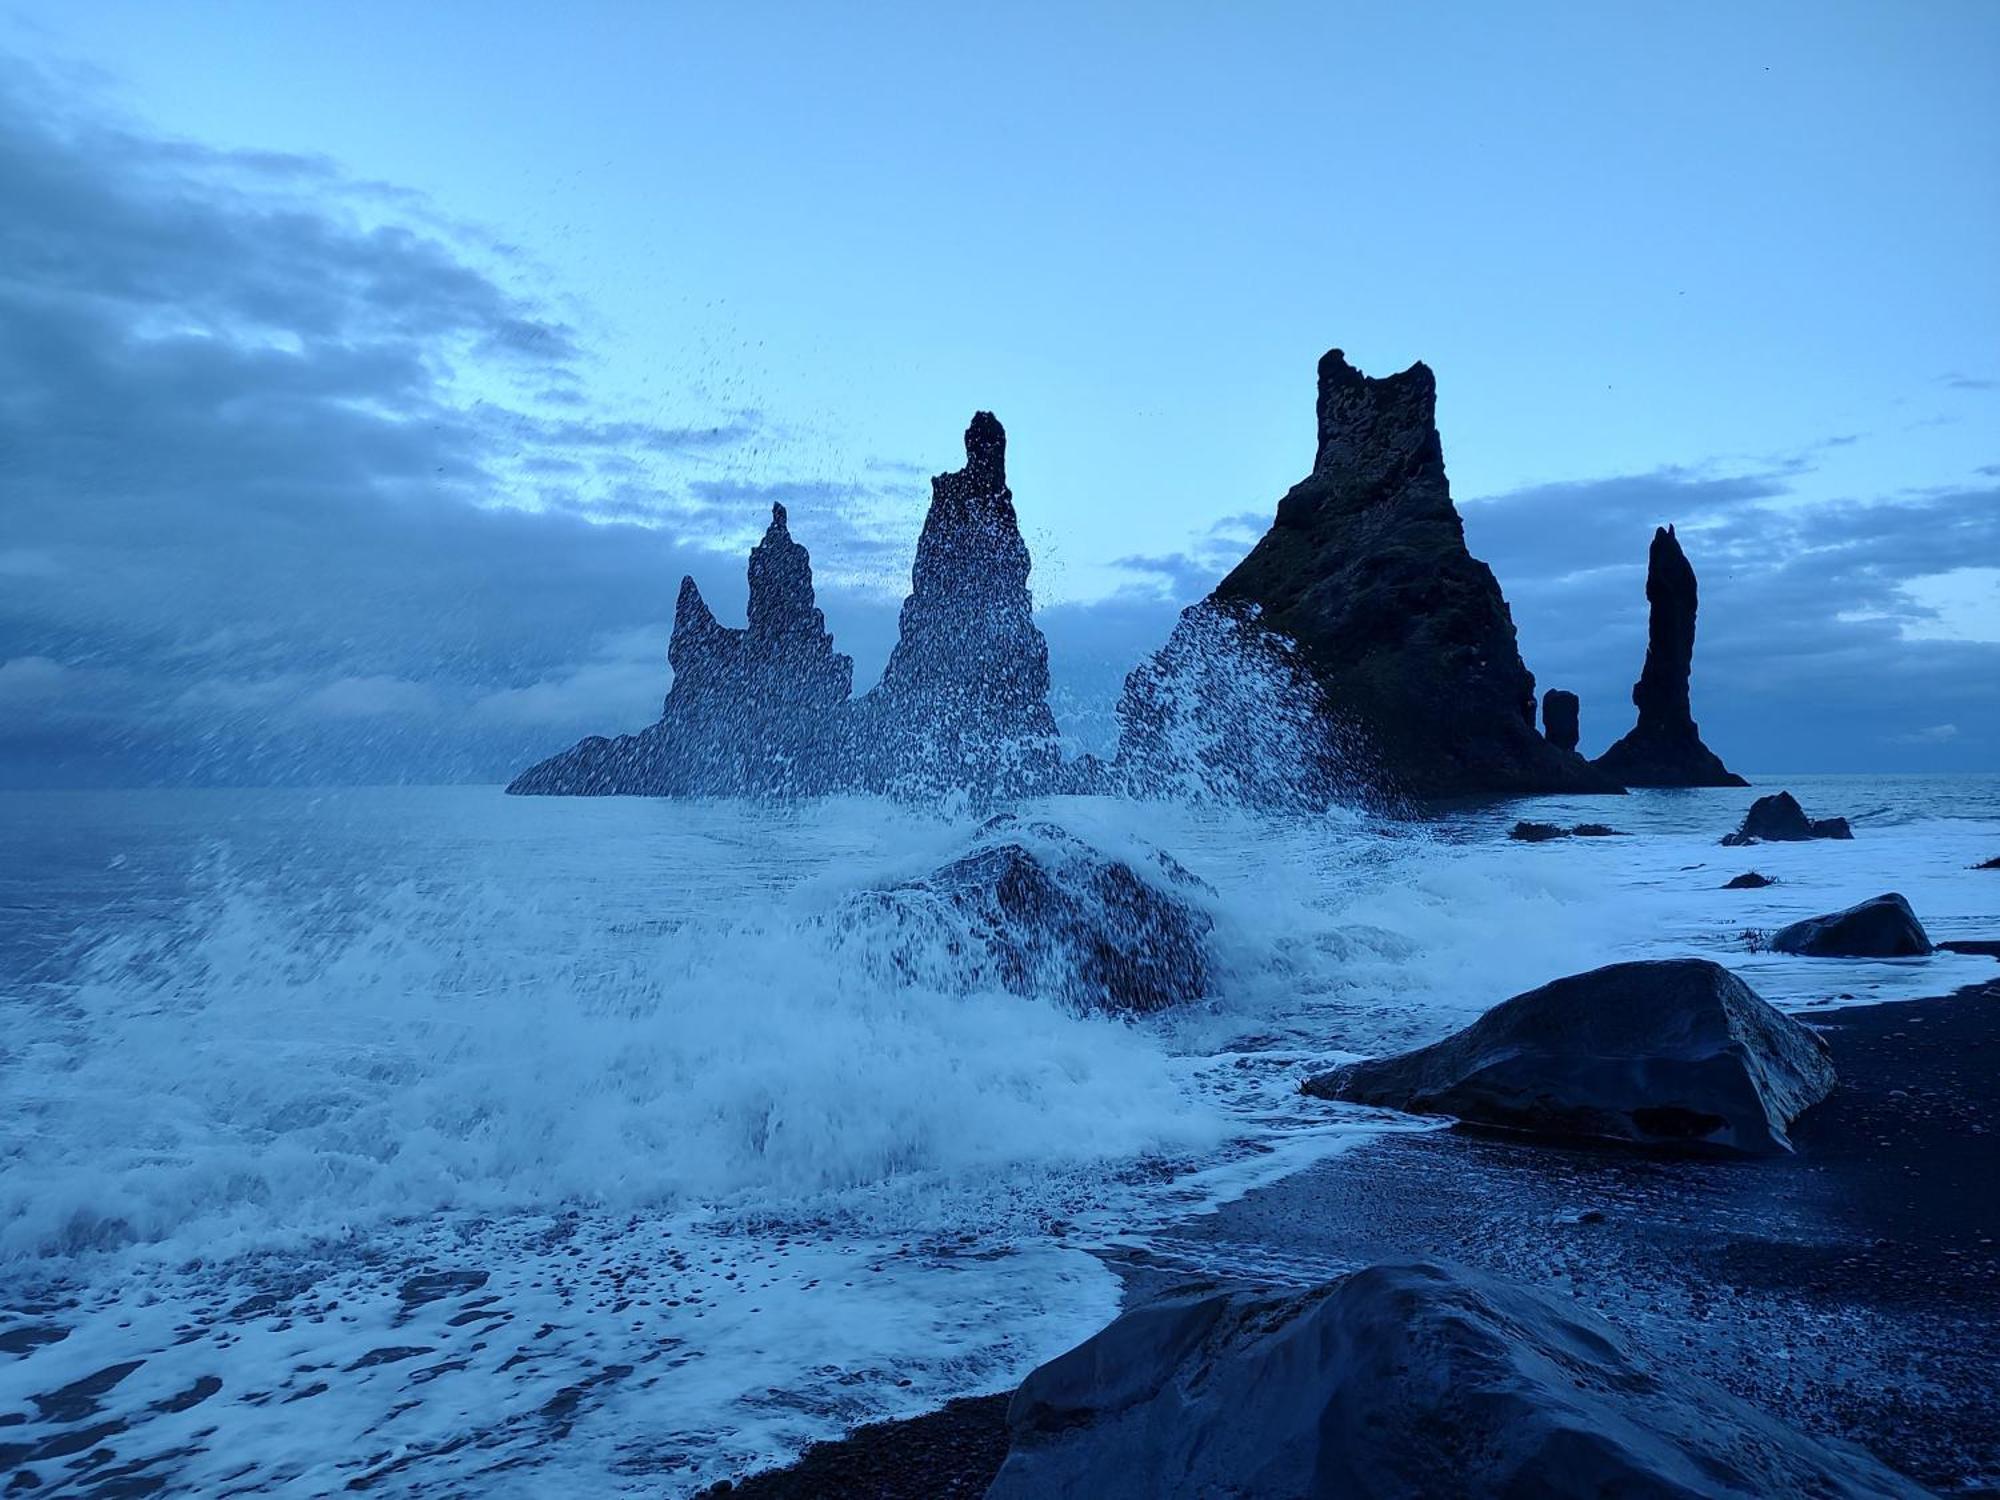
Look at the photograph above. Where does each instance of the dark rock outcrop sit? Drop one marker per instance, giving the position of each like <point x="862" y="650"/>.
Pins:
<point x="1664" y="748"/>
<point x="1779" y="819"/>
<point x="1540" y="833"/>
<point x="1673" y="1052"/>
<point x="1748" y="881"/>
<point x="1880" y="927"/>
<point x="1401" y="1379"/>
<point x="1404" y="632"/>
<point x="1536" y="833"/>
<point x="1035" y="910"/>
<point x="964" y="701"/>
<point x="1562" y="718"/>
<point x="1989" y="864"/>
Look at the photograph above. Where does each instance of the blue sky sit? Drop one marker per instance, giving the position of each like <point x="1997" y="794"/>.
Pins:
<point x="644" y="268"/>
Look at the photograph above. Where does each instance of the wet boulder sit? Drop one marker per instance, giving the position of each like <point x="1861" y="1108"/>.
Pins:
<point x="1675" y="1053"/>
<point x="1749" y="880"/>
<point x="1881" y="927"/>
<point x="1540" y="833"/>
<point x="1779" y="819"/>
<point x="1035" y="910"/>
<point x="1400" y="1379"/>
<point x="1536" y="833"/>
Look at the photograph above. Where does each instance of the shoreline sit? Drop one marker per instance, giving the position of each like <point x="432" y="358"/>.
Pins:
<point x="1851" y="1290"/>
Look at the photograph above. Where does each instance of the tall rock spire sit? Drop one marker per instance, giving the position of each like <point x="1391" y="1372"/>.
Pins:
<point x="1403" y="631"/>
<point x="788" y="641"/>
<point x="1664" y="748"/>
<point x="964" y="699"/>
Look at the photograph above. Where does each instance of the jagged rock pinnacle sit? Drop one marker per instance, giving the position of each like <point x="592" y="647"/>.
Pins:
<point x="985" y="452"/>
<point x="1664" y="748"/>
<point x="964" y="698"/>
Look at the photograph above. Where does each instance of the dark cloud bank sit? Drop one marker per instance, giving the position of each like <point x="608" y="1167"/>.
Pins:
<point x="295" y="487"/>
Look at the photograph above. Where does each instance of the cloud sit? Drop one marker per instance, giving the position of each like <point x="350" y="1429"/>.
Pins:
<point x="1819" y="634"/>
<point x="283" y="478"/>
<point x="302" y="480"/>
<point x="30" y="680"/>
<point x="1937" y="734"/>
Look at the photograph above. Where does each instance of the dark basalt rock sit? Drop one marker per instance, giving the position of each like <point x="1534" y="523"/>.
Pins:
<point x="1401" y="1379"/>
<point x="1562" y="718"/>
<point x="1675" y="1052"/>
<point x="1664" y="747"/>
<point x="1035" y="910"/>
<point x="1748" y="881"/>
<point x="964" y="699"/>
<point x="1403" y="630"/>
<point x="1988" y="864"/>
<point x="1536" y="833"/>
<point x="1880" y="927"/>
<point x="1778" y="818"/>
<point x="1541" y="833"/>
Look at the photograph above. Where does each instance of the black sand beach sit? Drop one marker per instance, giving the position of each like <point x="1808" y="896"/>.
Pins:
<point x="1852" y="1290"/>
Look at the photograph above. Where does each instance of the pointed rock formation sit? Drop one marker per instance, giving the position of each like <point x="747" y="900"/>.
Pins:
<point x="1664" y="748"/>
<point x="757" y="710"/>
<point x="794" y="670"/>
<point x="964" y="701"/>
<point x="1561" y="719"/>
<point x="1404" y="632"/>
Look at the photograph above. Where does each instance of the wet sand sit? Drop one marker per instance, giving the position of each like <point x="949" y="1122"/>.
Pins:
<point x="1852" y="1290"/>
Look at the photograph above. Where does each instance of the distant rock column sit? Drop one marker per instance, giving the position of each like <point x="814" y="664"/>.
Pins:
<point x="964" y="699"/>
<point x="1664" y="748"/>
<point x="1561" y="718"/>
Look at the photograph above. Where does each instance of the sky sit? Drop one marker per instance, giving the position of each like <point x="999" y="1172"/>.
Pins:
<point x="370" y="373"/>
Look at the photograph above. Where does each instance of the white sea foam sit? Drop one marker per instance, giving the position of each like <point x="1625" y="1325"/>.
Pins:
<point x="727" y="1191"/>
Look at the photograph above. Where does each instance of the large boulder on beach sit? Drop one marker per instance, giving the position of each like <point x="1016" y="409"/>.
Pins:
<point x="1779" y="819"/>
<point x="1399" y="1380"/>
<point x="1035" y="910"/>
<point x="1881" y="927"/>
<point x="1669" y="1052"/>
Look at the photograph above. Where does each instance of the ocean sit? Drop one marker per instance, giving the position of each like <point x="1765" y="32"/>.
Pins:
<point x="441" y="1142"/>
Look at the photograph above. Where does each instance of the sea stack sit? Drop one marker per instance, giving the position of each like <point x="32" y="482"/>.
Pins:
<point x="759" y="710"/>
<point x="964" y="701"/>
<point x="1561" y="718"/>
<point x="1664" y="748"/>
<point x="1403" y="630"/>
